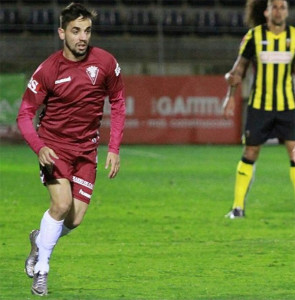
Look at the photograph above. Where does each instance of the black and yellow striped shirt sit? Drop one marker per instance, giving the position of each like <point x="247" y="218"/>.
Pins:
<point x="273" y="57"/>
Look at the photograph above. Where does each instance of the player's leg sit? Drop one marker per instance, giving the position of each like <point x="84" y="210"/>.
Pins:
<point x="257" y="129"/>
<point x="49" y="175"/>
<point x="82" y="188"/>
<point x="285" y="128"/>
<point x="244" y="175"/>
<point x="34" y="253"/>
<point x="50" y="230"/>
<point x="75" y="216"/>
<point x="52" y="221"/>
<point x="290" y="147"/>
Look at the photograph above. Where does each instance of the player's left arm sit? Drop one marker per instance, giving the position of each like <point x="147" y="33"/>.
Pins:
<point x="113" y="161"/>
<point x="115" y="89"/>
<point x="117" y="102"/>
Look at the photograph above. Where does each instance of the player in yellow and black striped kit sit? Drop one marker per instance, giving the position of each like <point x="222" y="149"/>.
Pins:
<point x="271" y="107"/>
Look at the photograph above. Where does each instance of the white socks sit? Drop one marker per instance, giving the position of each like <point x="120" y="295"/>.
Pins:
<point x="50" y="231"/>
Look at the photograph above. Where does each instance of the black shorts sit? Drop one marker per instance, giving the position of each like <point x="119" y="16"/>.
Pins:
<point x="262" y="125"/>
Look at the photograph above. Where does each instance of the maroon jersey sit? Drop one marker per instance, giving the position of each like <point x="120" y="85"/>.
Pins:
<point x="73" y="95"/>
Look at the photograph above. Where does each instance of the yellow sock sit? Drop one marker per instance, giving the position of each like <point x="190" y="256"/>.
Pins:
<point x="244" y="176"/>
<point x="292" y="176"/>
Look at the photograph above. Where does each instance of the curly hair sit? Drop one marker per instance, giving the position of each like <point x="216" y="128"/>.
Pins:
<point x="254" y="13"/>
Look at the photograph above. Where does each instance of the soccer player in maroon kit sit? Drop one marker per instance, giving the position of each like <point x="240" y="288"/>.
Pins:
<point x="71" y="85"/>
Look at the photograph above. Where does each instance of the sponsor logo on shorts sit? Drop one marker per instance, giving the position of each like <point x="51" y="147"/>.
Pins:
<point x="83" y="182"/>
<point x="84" y="194"/>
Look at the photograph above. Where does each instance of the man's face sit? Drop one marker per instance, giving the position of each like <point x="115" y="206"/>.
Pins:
<point x="277" y="12"/>
<point x="76" y="38"/>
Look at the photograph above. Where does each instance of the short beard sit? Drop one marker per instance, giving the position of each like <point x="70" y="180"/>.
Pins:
<point x="277" y="23"/>
<point x="74" y="52"/>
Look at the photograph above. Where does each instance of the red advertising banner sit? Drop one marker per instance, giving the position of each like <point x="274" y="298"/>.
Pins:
<point x="176" y="110"/>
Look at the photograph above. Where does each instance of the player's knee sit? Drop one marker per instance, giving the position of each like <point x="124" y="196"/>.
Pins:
<point x="251" y="153"/>
<point x="61" y="209"/>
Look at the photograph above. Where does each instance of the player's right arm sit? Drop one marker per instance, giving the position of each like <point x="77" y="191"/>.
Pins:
<point x="233" y="78"/>
<point x="33" y="98"/>
<point x="46" y="156"/>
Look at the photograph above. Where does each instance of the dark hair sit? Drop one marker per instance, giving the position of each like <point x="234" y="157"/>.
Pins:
<point x="74" y="11"/>
<point x="254" y="14"/>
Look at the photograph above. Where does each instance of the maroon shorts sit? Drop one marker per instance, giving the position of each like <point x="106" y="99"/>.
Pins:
<point x="78" y="167"/>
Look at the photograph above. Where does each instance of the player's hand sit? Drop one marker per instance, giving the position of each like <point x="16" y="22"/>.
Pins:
<point x="47" y="156"/>
<point x="113" y="160"/>
<point x="233" y="79"/>
<point x="228" y="107"/>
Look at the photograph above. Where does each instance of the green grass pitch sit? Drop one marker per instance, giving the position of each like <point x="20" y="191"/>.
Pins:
<point x="158" y="230"/>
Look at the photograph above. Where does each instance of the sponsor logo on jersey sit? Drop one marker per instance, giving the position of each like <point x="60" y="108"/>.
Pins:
<point x="264" y="42"/>
<point x="84" y="194"/>
<point x="92" y="72"/>
<point x="276" y="57"/>
<point x="34" y="85"/>
<point x="117" y="70"/>
<point x="67" y="79"/>
<point x="288" y="43"/>
<point x="83" y="182"/>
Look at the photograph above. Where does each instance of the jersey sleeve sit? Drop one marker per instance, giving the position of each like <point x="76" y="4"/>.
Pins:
<point x="34" y="96"/>
<point x="117" y="102"/>
<point x="247" y="47"/>
<point x="115" y="89"/>
<point x="114" y="82"/>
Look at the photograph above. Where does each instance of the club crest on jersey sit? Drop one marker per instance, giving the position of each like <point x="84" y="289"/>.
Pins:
<point x="92" y="72"/>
